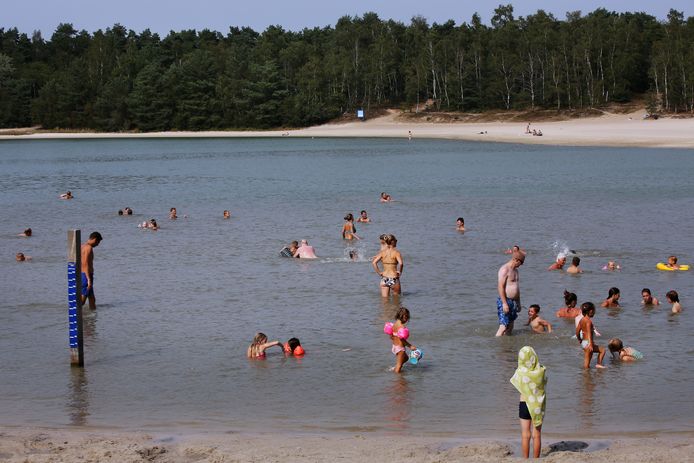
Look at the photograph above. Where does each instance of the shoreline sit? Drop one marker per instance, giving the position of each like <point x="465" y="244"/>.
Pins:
<point x="97" y="444"/>
<point x="610" y="130"/>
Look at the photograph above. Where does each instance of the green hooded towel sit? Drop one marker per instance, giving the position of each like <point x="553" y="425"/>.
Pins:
<point x="530" y="380"/>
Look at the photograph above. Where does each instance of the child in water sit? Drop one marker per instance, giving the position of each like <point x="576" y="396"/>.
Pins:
<point x="293" y="347"/>
<point x="585" y="333"/>
<point x="612" y="266"/>
<point x="530" y="381"/>
<point x="570" y="311"/>
<point x="672" y="263"/>
<point x="259" y="345"/>
<point x="612" y="298"/>
<point x="625" y="354"/>
<point x="674" y="299"/>
<point x="537" y="324"/>
<point x="399" y="333"/>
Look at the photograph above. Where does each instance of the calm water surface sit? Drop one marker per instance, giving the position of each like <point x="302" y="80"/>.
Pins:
<point x="178" y="307"/>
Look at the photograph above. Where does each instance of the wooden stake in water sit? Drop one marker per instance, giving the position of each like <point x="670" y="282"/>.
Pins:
<point x="74" y="301"/>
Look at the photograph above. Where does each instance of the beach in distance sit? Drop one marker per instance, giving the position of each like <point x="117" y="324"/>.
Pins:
<point x="611" y="129"/>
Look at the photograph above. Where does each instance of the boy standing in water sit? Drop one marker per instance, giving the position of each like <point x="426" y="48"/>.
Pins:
<point x="87" y="252"/>
<point x="585" y="333"/>
<point x="508" y="302"/>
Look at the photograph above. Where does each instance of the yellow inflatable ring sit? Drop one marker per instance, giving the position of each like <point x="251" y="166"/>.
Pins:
<point x="664" y="267"/>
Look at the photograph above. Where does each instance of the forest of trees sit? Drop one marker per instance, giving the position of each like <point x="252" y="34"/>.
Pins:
<point x="117" y="79"/>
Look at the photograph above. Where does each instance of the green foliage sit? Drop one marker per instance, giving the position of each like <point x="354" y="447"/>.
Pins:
<point x="117" y="79"/>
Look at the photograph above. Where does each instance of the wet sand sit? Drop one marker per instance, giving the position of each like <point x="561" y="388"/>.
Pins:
<point x="629" y="130"/>
<point x="45" y="445"/>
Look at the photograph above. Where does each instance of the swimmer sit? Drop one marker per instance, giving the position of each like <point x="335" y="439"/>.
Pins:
<point x="672" y="263"/>
<point x="392" y="267"/>
<point x="460" y="225"/>
<point x="353" y="254"/>
<point x="612" y="298"/>
<point x="570" y="311"/>
<point x="151" y="225"/>
<point x="612" y="266"/>
<point x="226" y="214"/>
<point x="120" y="212"/>
<point x="508" y="287"/>
<point x="559" y="264"/>
<point x="585" y="333"/>
<point x="385" y="197"/>
<point x="259" y="345"/>
<point x="289" y="251"/>
<point x="293" y="347"/>
<point x="349" y="232"/>
<point x="537" y="324"/>
<point x="305" y="251"/>
<point x="625" y="354"/>
<point x="66" y="195"/>
<point x="172" y="213"/>
<point x="128" y="211"/>
<point x="674" y="299"/>
<point x="20" y="257"/>
<point x="26" y="233"/>
<point x="363" y="218"/>
<point x="647" y="298"/>
<point x="514" y="248"/>
<point x="399" y="333"/>
<point x="573" y="268"/>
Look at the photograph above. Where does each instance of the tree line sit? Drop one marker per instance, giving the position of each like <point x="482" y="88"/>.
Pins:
<point x="117" y="79"/>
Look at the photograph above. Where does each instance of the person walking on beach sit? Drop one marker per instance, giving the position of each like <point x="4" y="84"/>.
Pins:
<point x="392" y="266"/>
<point x="530" y="380"/>
<point x="87" y="252"/>
<point x="508" y="302"/>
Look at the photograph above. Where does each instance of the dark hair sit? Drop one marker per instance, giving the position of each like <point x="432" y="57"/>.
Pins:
<point x="587" y="307"/>
<point x="615" y="345"/>
<point x="129" y="211"/>
<point x="172" y="209"/>
<point x="295" y="243"/>
<point x="646" y="290"/>
<point x="390" y="240"/>
<point x="575" y="261"/>
<point x="672" y="257"/>
<point x="363" y="212"/>
<point x="613" y="290"/>
<point x="120" y="212"/>
<point x="402" y="313"/>
<point x="536" y="307"/>
<point x="95" y="236"/>
<point x="460" y="219"/>
<point x="569" y="297"/>
<point x="673" y="296"/>
<point x="27" y="232"/>
<point x="349" y="217"/>
<point x="293" y="344"/>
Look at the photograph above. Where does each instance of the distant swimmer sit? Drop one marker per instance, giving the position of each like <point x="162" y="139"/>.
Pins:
<point x="66" y="195"/>
<point x="508" y="303"/>
<point x="128" y="211"/>
<point x="353" y="254"/>
<point x="622" y="353"/>
<point x="559" y="264"/>
<point x="515" y="248"/>
<point x="150" y="225"/>
<point x="26" y="233"/>
<point x="305" y="251"/>
<point x="573" y="268"/>
<point x="289" y="251"/>
<point x="226" y="214"/>
<point x="87" y="252"/>
<point x="460" y="225"/>
<point x="259" y="345"/>
<point x="120" y="211"/>
<point x="393" y="265"/>
<point x="585" y="333"/>
<point x="385" y="197"/>
<point x="349" y="232"/>
<point x="570" y="311"/>
<point x="672" y="263"/>
<point x="647" y="299"/>
<point x="20" y="257"/>
<point x="173" y="214"/>
<point x="674" y="299"/>
<point x="612" y="300"/>
<point x="612" y="266"/>
<point x="538" y="325"/>
<point x="363" y="218"/>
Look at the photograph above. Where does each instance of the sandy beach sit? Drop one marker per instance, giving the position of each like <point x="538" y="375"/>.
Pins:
<point x="46" y="445"/>
<point x="627" y="130"/>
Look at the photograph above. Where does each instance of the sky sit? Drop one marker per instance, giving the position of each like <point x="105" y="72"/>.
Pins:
<point x="164" y="15"/>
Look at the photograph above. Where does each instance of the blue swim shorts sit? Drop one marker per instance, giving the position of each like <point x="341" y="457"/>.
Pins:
<point x="85" y="292"/>
<point x="506" y="318"/>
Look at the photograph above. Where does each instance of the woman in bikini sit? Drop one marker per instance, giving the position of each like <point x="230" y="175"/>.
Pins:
<point x="349" y="232"/>
<point x="393" y="264"/>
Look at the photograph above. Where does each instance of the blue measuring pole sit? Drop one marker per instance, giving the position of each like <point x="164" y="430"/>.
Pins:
<point x="74" y="300"/>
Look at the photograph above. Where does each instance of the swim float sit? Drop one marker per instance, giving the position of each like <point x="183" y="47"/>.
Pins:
<point x="665" y="268"/>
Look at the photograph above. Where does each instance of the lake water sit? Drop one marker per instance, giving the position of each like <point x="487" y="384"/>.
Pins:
<point x="178" y="307"/>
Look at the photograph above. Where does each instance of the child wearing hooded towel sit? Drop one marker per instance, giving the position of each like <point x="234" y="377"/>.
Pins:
<point x="530" y="380"/>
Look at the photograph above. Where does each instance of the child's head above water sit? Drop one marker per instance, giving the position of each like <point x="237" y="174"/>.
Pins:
<point x="587" y="307"/>
<point x="570" y="299"/>
<point x="614" y="291"/>
<point x="534" y="309"/>
<point x="672" y="260"/>
<point x="672" y="296"/>
<point x="615" y="345"/>
<point x="575" y="261"/>
<point x="403" y="315"/>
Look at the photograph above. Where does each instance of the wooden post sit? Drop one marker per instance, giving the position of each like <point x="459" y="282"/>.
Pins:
<point x="74" y="297"/>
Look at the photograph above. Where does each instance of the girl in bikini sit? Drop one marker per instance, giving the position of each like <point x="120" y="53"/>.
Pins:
<point x="259" y="345"/>
<point x="399" y="333"/>
<point x="348" y="230"/>
<point x="392" y="267"/>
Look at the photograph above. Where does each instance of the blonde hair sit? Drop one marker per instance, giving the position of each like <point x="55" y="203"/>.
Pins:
<point x="259" y="339"/>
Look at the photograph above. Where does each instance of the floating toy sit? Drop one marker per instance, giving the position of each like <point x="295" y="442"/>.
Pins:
<point x="415" y="356"/>
<point x="665" y="268"/>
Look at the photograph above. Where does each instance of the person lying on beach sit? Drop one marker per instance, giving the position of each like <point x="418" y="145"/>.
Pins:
<point x="20" y="257"/>
<point x="66" y="195"/>
<point x="26" y="233"/>
<point x="173" y="214"/>
<point x="537" y="324"/>
<point x="293" y="347"/>
<point x="349" y="232"/>
<point x="460" y="225"/>
<point x="385" y="197"/>
<point x="259" y="345"/>
<point x="305" y="251"/>
<point x="674" y="299"/>
<point x="570" y="311"/>
<point x="625" y="354"/>
<point x="399" y="333"/>
<point x="585" y="333"/>
<point x="573" y="268"/>
<point x="647" y="298"/>
<point x="226" y="214"/>
<point x="363" y="218"/>
<point x="612" y="298"/>
<point x="530" y="380"/>
<point x="559" y="264"/>
<point x="672" y="263"/>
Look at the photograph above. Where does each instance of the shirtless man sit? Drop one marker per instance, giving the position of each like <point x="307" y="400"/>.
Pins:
<point x="363" y="218"/>
<point x="305" y="251"/>
<point x="460" y="225"/>
<point x="88" y="268"/>
<point x="508" y="302"/>
<point x="559" y="264"/>
<point x="573" y="268"/>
